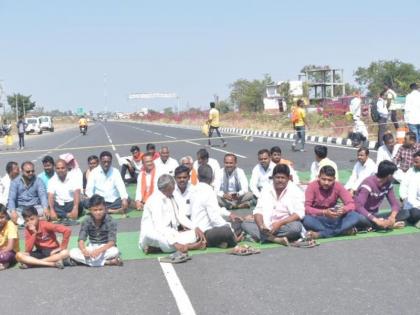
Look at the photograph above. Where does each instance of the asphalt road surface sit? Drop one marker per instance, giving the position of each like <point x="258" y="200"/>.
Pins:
<point x="369" y="276"/>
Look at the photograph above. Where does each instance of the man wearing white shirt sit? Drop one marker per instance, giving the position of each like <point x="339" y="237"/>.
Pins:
<point x="410" y="191"/>
<point x="164" y="226"/>
<point x="279" y="210"/>
<point x="383" y="117"/>
<point x="73" y="168"/>
<point x="183" y="189"/>
<point x="131" y="164"/>
<point x="12" y="171"/>
<point x="321" y="160"/>
<point x="231" y="185"/>
<point x="363" y="168"/>
<point x="355" y="106"/>
<point x="388" y="150"/>
<point x="146" y="181"/>
<point x="165" y="164"/>
<point x="390" y="97"/>
<point x="107" y="182"/>
<point x="412" y="110"/>
<point x="63" y="194"/>
<point x="203" y="158"/>
<point x="261" y="173"/>
<point x="205" y="212"/>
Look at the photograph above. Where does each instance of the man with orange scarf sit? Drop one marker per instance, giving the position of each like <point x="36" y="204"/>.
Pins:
<point x="146" y="181"/>
<point x="188" y="162"/>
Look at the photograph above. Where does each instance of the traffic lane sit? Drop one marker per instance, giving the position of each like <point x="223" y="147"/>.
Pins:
<point x="138" y="287"/>
<point x="344" y="156"/>
<point x="370" y="276"/>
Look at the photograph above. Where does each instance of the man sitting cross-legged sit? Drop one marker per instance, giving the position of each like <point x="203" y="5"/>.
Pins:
<point x="276" y="158"/>
<point x="203" y="158"/>
<point x="27" y="190"/>
<point x="183" y="189"/>
<point x="206" y="213"/>
<point x="12" y="171"/>
<point x="64" y="195"/>
<point x="261" y="173"/>
<point x="279" y="210"/>
<point x="131" y="164"/>
<point x="188" y="161"/>
<point x="106" y="181"/>
<point x="323" y="217"/>
<point x="101" y="230"/>
<point x="321" y="160"/>
<point x="165" y="164"/>
<point x="147" y="181"/>
<point x="370" y="195"/>
<point x="231" y="185"/>
<point x="164" y="225"/>
<point x="41" y="235"/>
<point x="363" y="168"/>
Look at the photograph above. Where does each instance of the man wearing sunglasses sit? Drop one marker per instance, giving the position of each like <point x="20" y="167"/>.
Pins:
<point x="27" y="190"/>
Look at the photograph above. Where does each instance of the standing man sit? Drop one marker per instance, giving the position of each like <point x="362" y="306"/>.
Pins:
<point x="383" y="117"/>
<point x="390" y="96"/>
<point x="412" y="110"/>
<point x="214" y="123"/>
<point x="21" y="126"/>
<point x="299" y="123"/>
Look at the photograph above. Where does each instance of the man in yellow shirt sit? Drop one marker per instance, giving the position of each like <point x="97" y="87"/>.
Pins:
<point x="214" y="123"/>
<point x="83" y="123"/>
<point x="299" y="125"/>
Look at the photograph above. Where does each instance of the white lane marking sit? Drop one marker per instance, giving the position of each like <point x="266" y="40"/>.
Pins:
<point x="181" y="298"/>
<point x="195" y="143"/>
<point x="157" y="133"/>
<point x="224" y="151"/>
<point x="33" y="161"/>
<point x="113" y="147"/>
<point x="170" y="137"/>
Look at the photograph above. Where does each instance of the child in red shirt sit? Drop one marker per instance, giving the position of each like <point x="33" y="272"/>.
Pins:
<point x="41" y="235"/>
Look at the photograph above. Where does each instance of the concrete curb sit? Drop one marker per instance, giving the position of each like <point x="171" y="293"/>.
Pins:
<point x="271" y="134"/>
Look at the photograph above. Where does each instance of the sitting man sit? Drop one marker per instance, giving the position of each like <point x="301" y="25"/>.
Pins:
<point x="279" y="210"/>
<point x="26" y="191"/>
<point x="323" y="218"/>
<point x="203" y="158"/>
<point x="183" y="189"/>
<point x="388" y="150"/>
<point x="363" y="168"/>
<point x="410" y="191"/>
<point x="404" y="156"/>
<point x="188" y="162"/>
<point x="147" y="181"/>
<point x="205" y="212"/>
<point x="132" y="164"/>
<point x="101" y="230"/>
<point x="64" y="195"/>
<point x="93" y="162"/>
<point x="48" y="173"/>
<point x="276" y="158"/>
<point x="41" y="235"/>
<point x="164" y="226"/>
<point x="370" y="195"/>
<point x="231" y="185"/>
<point x="106" y="181"/>
<point x="151" y="148"/>
<point x="165" y="164"/>
<point x="73" y="168"/>
<point x="261" y="173"/>
<point x="12" y="171"/>
<point x="321" y="160"/>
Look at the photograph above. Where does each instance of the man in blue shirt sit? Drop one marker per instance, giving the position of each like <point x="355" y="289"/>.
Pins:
<point x="48" y="173"/>
<point x="27" y="190"/>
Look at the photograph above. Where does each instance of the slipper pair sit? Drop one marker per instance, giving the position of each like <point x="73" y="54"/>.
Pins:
<point x="175" y="258"/>
<point x="243" y="250"/>
<point x="304" y="243"/>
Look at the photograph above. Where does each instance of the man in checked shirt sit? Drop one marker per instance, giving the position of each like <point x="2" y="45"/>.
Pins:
<point x="404" y="158"/>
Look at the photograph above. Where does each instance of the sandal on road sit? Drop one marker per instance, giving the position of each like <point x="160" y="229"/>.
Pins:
<point x="175" y="258"/>
<point x="243" y="250"/>
<point x="304" y="243"/>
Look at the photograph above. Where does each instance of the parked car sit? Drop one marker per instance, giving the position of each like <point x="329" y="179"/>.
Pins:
<point x="340" y="106"/>
<point x="46" y="123"/>
<point x="33" y="125"/>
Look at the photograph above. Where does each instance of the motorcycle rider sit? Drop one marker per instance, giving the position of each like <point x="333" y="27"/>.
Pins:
<point x="83" y="123"/>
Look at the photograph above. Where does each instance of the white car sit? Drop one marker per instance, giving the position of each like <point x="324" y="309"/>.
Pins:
<point x="46" y="123"/>
<point x="33" y="125"/>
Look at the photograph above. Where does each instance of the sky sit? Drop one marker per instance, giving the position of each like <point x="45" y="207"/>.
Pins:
<point x="93" y="54"/>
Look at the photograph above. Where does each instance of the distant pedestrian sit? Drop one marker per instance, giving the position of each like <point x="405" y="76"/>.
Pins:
<point x="412" y="110"/>
<point x="214" y="123"/>
<point x="299" y="123"/>
<point x="21" y="126"/>
<point x="383" y="118"/>
<point x="390" y="97"/>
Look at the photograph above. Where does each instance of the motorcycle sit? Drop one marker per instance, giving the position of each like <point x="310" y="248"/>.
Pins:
<point x="83" y="129"/>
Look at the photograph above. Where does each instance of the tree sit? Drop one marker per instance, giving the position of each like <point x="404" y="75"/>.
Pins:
<point x="397" y="74"/>
<point x="168" y="111"/>
<point x="22" y="102"/>
<point x="225" y="106"/>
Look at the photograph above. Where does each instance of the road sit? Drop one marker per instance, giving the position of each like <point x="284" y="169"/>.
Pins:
<point x="369" y="276"/>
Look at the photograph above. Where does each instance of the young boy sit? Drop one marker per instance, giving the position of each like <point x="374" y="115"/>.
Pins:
<point x="101" y="230"/>
<point x="41" y="234"/>
<point x="9" y="241"/>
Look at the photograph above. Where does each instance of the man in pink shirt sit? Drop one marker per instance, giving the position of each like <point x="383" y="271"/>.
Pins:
<point x="323" y="216"/>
